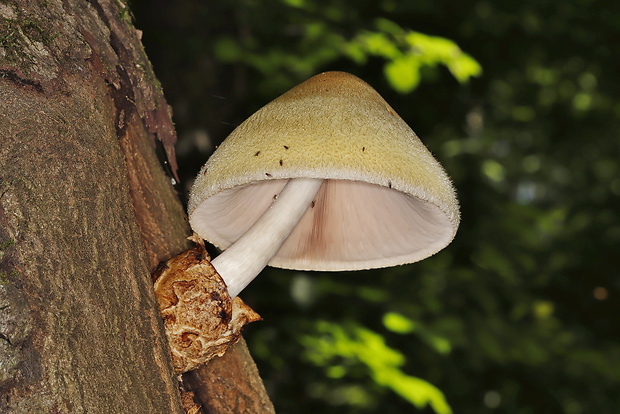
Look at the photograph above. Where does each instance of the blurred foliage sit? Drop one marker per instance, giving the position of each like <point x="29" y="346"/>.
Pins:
<point x="407" y="52"/>
<point x="518" y="314"/>
<point x="356" y="344"/>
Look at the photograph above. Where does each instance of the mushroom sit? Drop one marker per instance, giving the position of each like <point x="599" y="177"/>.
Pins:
<point x="326" y="177"/>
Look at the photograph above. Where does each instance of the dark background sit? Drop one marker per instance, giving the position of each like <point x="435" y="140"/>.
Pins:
<point x="519" y="314"/>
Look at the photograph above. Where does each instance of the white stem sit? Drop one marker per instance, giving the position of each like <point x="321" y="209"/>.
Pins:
<point x="243" y="260"/>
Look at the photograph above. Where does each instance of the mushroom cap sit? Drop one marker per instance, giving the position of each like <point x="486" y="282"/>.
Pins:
<point x="386" y="201"/>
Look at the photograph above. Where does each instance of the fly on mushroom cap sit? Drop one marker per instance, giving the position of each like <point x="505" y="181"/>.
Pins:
<point x="381" y="199"/>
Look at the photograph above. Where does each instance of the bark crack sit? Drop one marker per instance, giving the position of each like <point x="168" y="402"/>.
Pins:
<point x="12" y="76"/>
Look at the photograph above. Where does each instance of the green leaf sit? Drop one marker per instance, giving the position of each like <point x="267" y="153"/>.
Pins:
<point x="398" y="323"/>
<point x="403" y="73"/>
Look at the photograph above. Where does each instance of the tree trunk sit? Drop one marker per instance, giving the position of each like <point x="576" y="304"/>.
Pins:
<point x="86" y="214"/>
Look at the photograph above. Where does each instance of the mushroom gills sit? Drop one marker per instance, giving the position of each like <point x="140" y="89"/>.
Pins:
<point x="240" y="263"/>
<point x="356" y="225"/>
<point x="350" y="225"/>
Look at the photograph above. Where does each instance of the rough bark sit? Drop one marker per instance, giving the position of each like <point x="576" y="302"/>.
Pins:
<point x="236" y="393"/>
<point x="86" y="214"/>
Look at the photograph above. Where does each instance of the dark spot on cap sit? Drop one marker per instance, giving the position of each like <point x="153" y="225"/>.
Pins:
<point x="363" y="149"/>
<point x="268" y="175"/>
<point x="286" y="147"/>
<point x="281" y="163"/>
<point x="256" y="153"/>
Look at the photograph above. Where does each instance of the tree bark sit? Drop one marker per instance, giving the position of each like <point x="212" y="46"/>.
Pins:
<point x="87" y="213"/>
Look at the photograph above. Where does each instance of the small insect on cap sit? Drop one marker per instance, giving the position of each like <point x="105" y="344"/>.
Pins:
<point x="385" y="200"/>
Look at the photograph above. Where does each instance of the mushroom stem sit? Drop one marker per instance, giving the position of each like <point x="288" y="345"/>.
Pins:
<point x="243" y="260"/>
